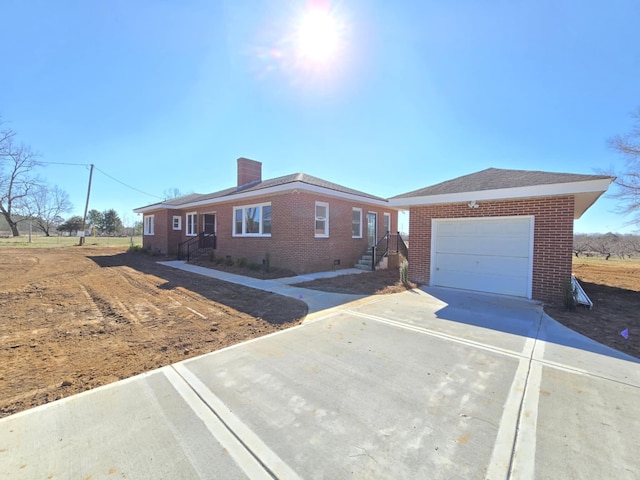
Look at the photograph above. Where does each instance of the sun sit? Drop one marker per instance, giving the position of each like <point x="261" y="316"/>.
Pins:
<point x="319" y="35"/>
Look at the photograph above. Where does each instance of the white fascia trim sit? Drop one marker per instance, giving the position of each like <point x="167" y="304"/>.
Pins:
<point x="269" y="191"/>
<point x="554" y="189"/>
<point x="153" y="208"/>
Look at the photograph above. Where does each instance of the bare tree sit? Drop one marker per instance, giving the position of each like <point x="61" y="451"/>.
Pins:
<point x="629" y="246"/>
<point x="581" y="244"/>
<point x="45" y="207"/>
<point x="17" y="181"/>
<point x="170" y="193"/>
<point x="605" y="244"/>
<point x="628" y="181"/>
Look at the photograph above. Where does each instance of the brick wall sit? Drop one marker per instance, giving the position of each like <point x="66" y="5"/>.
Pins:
<point x="248" y="171"/>
<point x="158" y="241"/>
<point x="292" y="244"/>
<point x="552" y="242"/>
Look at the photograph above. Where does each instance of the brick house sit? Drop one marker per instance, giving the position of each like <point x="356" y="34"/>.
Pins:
<point x="499" y="231"/>
<point x="299" y="222"/>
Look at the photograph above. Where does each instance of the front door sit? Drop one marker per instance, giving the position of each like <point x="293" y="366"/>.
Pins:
<point x="372" y="228"/>
<point x="208" y="240"/>
<point x="209" y="223"/>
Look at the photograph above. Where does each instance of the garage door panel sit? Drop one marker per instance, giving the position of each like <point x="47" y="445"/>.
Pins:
<point x="491" y="264"/>
<point x="490" y="255"/>
<point x="508" y="245"/>
<point x="483" y="282"/>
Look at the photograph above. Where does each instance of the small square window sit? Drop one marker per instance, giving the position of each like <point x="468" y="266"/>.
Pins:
<point x="177" y="222"/>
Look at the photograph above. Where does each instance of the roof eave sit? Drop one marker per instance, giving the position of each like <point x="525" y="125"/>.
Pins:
<point x="242" y="196"/>
<point x="596" y="186"/>
<point x="154" y="207"/>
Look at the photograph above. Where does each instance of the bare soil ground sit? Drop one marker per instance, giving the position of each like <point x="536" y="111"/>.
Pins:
<point x="75" y="318"/>
<point x="614" y="289"/>
<point x="381" y="282"/>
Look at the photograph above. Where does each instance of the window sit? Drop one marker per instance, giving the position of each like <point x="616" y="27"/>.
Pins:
<point x="356" y="223"/>
<point x="192" y="224"/>
<point x="177" y="222"/>
<point x="387" y="223"/>
<point x="148" y="225"/>
<point x="252" y="221"/>
<point x="322" y="219"/>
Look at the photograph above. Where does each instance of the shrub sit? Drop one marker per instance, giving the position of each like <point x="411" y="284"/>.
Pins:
<point x="569" y="294"/>
<point x="404" y="271"/>
<point x="241" y="261"/>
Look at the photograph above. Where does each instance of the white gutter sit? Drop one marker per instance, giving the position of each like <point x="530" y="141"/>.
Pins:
<point x="569" y="188"/>
<point x="292" y="186"/>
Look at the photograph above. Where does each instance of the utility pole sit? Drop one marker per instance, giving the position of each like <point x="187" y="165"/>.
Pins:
<point x="86" y="207"/>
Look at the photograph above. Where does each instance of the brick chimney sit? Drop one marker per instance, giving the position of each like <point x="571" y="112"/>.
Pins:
<point x="249" y="171"/>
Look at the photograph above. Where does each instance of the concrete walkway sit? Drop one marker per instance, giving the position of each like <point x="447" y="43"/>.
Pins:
<point x="432" y="383"/>
<point x="315" y="299"/>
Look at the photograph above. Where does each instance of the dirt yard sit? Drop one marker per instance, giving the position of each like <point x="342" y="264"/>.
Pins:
<point x="75" y="318"/>
<point x="614" y="288"/>
<point x="79" y="317"/>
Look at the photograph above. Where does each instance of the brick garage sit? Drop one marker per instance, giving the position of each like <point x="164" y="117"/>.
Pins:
<point x="551" y="200"/>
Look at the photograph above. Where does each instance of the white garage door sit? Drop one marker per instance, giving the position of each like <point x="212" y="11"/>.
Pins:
<point x="485" y="254"/>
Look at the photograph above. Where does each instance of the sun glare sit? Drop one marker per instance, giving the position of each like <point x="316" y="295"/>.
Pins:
<point x="319" y="35"/>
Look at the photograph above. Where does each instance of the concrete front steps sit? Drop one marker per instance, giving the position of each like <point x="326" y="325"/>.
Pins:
<point x="365" y="262"/>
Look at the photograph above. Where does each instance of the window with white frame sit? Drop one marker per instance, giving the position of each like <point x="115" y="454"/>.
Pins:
<point x="148" y="224"/>
<point x="192" y="224"/>
<point x="177" y="222"/>
<point x="387" y="223"/>
<point x="356" y="223"/>
<point x="322" y="219"/>
<point x="252" y="220"/>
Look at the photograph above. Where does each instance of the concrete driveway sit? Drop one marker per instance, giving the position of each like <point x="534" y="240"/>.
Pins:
<point x="435" y="384"/>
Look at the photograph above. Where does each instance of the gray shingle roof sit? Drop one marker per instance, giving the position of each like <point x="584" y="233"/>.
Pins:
<point x="496" y="179"/>
<point x="256" y="187"/>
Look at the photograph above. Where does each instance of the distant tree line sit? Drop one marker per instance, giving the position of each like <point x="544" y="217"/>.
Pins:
<point x="99" y="223"/>
<point x="606" y="245"/>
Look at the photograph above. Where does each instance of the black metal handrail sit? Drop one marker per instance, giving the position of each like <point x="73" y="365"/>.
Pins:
<point x="202" y="240"/>
<point x="401" y="247"/>
<point x="379" y="251"/>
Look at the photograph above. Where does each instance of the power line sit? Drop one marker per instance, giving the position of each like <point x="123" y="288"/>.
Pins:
<point x="105" y="174"/>
<point x="64" y="163"/>
<point x="128" y="186"/>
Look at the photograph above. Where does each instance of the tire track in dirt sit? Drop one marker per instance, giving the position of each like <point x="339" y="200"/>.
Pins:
<point x="78" y="318"/>
<point x="106" y="308"/>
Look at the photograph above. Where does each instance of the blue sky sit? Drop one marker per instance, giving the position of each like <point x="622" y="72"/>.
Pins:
<point x="167" y="94"/>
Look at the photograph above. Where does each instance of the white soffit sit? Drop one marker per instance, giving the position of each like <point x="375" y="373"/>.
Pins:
<point x="590" y="190"/>
<point x="241" y="196"/>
